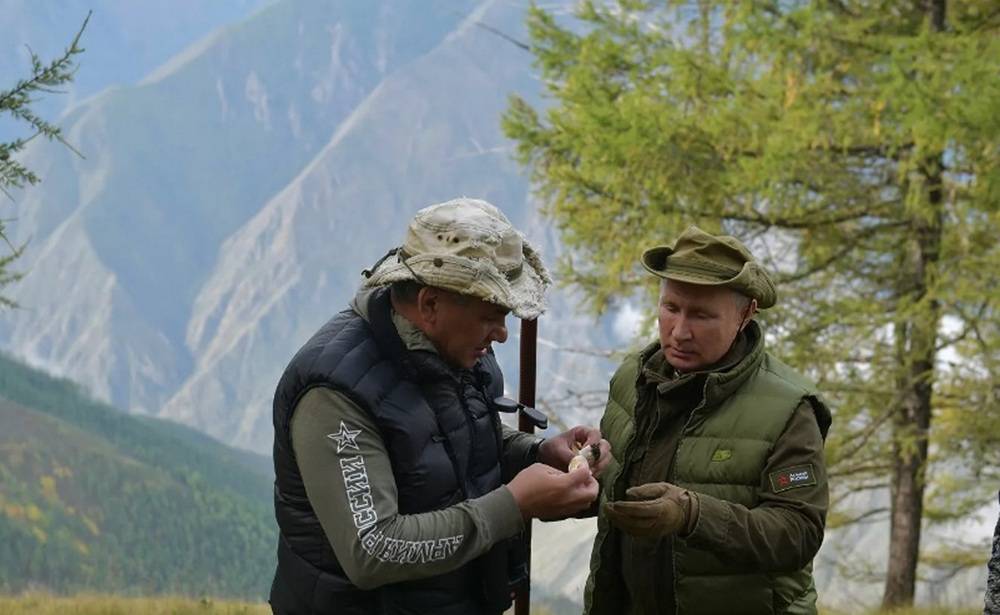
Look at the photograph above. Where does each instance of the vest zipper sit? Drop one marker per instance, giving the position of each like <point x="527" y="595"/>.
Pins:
<point x="670" y="479"/>
<point x="626" y="461"/>
<point x="469" y="423"/>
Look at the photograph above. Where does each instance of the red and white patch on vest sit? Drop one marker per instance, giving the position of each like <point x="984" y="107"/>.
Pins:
<point x="790" y="478"/>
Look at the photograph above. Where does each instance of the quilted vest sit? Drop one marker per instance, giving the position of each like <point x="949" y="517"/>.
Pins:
<point x="444" y="442"/>
<point x="763" y="394"/>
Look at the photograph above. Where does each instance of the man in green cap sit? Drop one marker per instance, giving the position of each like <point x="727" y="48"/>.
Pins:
<point x="716" y="500"/>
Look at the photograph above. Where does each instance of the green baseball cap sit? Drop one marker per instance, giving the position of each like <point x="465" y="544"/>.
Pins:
<point x="468" y="246"/>
<point x="698" y="257"/>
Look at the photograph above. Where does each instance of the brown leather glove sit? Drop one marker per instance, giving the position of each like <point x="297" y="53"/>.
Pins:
<point x="653" y="509"/>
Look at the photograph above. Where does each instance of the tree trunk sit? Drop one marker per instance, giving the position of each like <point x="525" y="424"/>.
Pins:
<point x="916" y="341"/>
<point x="911" y="424"/>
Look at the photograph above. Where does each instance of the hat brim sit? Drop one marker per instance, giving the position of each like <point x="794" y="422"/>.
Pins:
<point x="750" y="281"/>
<point x="524" y="295"/>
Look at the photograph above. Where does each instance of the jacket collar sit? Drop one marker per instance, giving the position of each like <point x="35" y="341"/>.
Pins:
<point x="408" y="347"/>
<point x="721" y="380"/>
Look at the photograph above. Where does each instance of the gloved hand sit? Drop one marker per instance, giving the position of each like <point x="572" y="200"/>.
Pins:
<point x="653" y="509"/>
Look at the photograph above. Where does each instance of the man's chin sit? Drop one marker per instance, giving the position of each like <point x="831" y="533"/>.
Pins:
<point x="470" y="359"/>
<point x="682" y="361"/>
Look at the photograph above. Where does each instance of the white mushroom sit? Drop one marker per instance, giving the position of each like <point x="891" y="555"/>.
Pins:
<point x="587" y="456"/>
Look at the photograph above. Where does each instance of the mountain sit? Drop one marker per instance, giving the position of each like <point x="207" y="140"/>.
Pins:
<point x="174" y="167"/>
<point x="228" y="202"/>
<point x="124" y="41"/>
<point x="423" y="136"/>
<point x="94" y="499"/>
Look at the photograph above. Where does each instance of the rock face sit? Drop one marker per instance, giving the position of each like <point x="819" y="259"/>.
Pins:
<point x="124" y="41"/>
<point x="181" y="169"/>
<point x="418" y="138"/>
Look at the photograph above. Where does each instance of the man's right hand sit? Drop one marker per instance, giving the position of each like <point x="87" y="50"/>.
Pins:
<point x="546" y="493"/>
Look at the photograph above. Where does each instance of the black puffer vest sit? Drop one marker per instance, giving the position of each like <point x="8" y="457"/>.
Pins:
<point x="444" y="442"/>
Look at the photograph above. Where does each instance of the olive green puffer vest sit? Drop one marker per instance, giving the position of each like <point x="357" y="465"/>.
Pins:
<point x="744" y="411"/>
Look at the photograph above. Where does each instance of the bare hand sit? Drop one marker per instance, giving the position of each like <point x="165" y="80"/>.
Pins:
<point x="557" y="451"/>
<point x="545" y="492"/>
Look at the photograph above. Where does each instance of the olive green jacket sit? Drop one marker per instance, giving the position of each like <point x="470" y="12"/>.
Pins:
<point x="758" y="476"/>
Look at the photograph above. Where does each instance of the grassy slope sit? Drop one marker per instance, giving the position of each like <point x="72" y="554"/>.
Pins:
<point x="94" y="499"/>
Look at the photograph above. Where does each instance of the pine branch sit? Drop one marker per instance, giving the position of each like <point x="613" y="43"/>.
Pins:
<point x="57" y="72"/>
<point x="17" y="101"/>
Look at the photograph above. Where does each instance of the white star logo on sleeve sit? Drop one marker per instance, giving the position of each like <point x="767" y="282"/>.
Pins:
<point x="345" y="438"/>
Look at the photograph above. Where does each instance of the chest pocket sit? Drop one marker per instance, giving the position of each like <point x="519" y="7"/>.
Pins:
<point x="713" y="465"/>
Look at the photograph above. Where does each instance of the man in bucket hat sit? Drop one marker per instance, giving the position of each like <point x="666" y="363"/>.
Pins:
<point x="716" y="503"/>
<point x="397" y="488"/>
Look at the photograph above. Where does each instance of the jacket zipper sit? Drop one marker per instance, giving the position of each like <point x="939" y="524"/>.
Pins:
<point x="670" y="479"/>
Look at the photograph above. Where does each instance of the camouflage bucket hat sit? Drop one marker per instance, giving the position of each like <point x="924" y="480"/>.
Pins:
<point x="712" y="260"/>
<point x="468" y="246"/>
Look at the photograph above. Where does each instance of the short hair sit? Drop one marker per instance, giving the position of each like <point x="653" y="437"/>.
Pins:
<point x="405" y="291"/>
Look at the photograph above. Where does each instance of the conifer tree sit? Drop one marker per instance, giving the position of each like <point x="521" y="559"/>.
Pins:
<point x="856" y="146"/>
<point x="16" y="104"/>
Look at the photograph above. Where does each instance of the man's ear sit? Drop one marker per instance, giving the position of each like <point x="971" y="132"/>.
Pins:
<point x="748" y="314"/>
<point x="428" y="304"/>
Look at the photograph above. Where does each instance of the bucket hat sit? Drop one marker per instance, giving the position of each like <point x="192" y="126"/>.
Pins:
<point x="697" y="257"/>
<point x="468" y="246"/>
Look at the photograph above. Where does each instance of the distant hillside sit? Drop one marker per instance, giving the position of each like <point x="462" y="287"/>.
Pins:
<point x="92" y="498"/>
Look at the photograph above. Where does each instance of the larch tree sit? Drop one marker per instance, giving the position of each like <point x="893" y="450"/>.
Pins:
<point x="856" y="146"/>
<point x="15" y="103"/>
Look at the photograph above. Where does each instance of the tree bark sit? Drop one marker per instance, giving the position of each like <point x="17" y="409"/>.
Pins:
<point x="916" y="339"/>
<point x="911" y="424"/>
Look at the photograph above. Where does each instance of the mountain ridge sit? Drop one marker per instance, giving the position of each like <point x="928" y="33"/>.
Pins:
<point x="173" y="169"/>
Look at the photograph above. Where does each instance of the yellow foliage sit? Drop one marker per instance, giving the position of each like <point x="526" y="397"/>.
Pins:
<point x="62" y="471"/>
<point x="90" y="525"/>
<point x="40" y="534"/>
<point x="81" y="547"/>
<point x="13" y="511"/>
<point x="33" y="513"/>
<point x="791" y="89"/>
<point x="48" y="487"/>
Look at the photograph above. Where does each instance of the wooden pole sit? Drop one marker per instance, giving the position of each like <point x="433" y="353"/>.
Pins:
<point x="526" y="397"/>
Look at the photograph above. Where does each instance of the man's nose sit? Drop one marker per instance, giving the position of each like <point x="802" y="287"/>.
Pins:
<point x="500" y="333"/>
<point x="681" y="329"/>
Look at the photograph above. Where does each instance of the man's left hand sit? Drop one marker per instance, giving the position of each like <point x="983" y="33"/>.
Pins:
<point x="652" y="510"/>
<point x="557" y="451"/>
